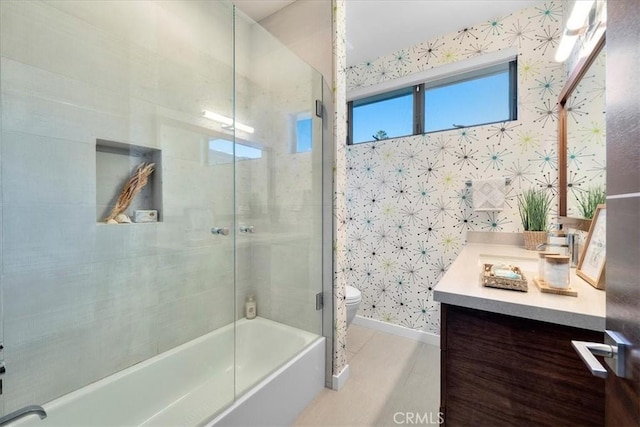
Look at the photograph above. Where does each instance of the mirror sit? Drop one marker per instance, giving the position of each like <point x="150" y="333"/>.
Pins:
<point x="582" y="135"/>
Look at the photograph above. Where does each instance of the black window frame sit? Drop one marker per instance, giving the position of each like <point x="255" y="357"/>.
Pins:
<point x="420" y="89"/>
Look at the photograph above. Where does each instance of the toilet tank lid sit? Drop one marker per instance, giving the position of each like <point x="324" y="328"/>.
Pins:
<point x="353" y="294"/>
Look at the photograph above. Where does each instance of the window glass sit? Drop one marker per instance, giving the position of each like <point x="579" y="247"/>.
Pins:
<point x="478" y="97"/>
<point x="379" y="118"/>
<point x="468" y="103"/>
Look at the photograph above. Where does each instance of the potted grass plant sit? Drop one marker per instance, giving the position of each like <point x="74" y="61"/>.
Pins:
<point x="534" y="206"/>
<point x="589" y="201"/>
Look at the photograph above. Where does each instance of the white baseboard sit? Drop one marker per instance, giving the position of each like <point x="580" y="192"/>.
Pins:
<point x="390" y="328"/>
<point x="340" y="379"/>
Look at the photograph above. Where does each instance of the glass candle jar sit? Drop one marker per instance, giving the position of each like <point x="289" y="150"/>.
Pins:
<point x="556" y="270"/>
<point x="542" y="262"/>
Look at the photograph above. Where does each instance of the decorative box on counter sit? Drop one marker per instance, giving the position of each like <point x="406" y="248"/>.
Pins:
<point x="490" y="279"/>
<point x="146" y="216"/>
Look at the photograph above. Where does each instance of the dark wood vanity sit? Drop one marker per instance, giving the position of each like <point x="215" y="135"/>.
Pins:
<point x="506" y="356"/>
<point x="505" y="370"/>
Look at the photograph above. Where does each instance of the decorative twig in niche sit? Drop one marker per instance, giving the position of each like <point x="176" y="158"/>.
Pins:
<point x="138" y="180"/>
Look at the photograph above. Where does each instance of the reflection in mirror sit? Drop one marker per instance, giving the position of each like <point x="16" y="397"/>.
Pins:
<point x="586" y="148"/>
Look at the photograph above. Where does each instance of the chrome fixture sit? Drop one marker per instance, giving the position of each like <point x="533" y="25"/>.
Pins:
<point x="220" y="230"/>
<point x="586" y="18"/>
<point x="614" y="350"/>
<point x="27" y="410"/>
<point x="227" y="122"/>
<point x="507" y="181"/>
<point x="247" y="229"/>
<point x="574" y="252"/>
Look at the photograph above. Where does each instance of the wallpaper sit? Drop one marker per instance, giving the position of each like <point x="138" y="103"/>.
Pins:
<point x="402" y="205"/>
<point x="340" y="134"/>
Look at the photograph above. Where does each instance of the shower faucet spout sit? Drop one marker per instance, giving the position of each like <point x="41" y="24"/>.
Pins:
<point x="23" y="412"/>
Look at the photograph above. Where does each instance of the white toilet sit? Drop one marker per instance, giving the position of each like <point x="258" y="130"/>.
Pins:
<point x="353" y="302"/>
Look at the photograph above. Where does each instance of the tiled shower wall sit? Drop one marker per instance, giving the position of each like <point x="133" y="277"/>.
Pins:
<point x="405" y="209"/>
<point x="83" y="300"/>
<point x="279" y="194"/>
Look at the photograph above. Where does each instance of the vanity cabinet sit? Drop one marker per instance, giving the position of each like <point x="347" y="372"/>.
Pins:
<point x="504" y="370"/>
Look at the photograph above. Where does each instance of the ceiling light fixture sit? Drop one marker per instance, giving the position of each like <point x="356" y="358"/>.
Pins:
<point x="579" y="14"/>
<point x="227" y="122"/>
<point x="576" y="25"/>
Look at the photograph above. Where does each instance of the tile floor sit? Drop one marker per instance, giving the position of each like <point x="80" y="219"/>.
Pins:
<point x="390" y="377"/>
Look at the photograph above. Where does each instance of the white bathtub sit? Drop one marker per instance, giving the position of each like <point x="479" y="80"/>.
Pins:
<point x="190" y="384"/>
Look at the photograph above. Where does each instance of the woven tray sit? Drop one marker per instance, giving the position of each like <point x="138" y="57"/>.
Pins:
<point x="489" y="280"/>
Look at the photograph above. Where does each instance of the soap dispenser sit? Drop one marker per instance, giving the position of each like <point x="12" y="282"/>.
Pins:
<point x="250" y="307"/>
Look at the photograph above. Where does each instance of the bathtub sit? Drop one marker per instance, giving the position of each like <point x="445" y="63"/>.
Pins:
<point x="193" y="383"/>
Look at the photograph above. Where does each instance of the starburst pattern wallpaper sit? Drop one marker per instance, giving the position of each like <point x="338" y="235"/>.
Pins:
<point x="339" y="134"/>
<point x="402" y="206"/>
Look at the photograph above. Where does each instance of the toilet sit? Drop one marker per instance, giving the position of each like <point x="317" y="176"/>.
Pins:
<point x="353" y="302"/>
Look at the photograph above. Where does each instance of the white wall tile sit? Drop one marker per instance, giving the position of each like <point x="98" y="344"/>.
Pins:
<point x="38" y="34"/>
<point x="83" y="351"/>
<point x="184" y="319"/>
<point x="43" y="170"/>
<point x="54" y="119"/>
<point x="85" y="300"/>
<point x="40" y="236"/>
<point x="47" y="290"/>
<point x="132" y="22"/>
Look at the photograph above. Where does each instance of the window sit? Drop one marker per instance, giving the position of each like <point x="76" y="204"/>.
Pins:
<point x="474" y="98"/>
<point x="388" y="115"/>
<point x="221" y="151"/>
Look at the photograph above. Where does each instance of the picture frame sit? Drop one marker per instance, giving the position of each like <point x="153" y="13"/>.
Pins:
<point x="591" y="266"/>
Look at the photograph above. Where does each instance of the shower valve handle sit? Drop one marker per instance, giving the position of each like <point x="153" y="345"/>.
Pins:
<point x="247" y="229"/>
<point x="223" y="230"/>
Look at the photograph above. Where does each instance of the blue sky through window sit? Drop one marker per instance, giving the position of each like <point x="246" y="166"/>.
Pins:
<point x="394" y="116"/>
<point x="477" y="101"/>
<point x="468" y="103"/>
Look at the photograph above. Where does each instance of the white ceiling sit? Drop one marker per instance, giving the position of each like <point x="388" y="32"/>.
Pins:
<point x="381" y="27"/>
<point x="260" y="9"/>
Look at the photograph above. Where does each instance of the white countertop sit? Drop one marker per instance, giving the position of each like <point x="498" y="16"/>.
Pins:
<point x="461" y="286"/>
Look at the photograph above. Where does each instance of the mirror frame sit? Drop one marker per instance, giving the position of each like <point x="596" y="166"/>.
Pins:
<point x="574" y="79"/>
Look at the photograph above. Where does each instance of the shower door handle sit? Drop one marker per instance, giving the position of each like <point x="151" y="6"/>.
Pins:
<point x="220" y="230"/>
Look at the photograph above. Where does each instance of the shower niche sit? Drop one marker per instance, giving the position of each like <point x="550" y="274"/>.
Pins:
<point x="115" y="163"/>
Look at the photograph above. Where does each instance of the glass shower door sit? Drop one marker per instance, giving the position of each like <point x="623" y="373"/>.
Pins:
<point x="89" y="91"/>
<point x="278" y="202"/>
<point x="228" y="116"/>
